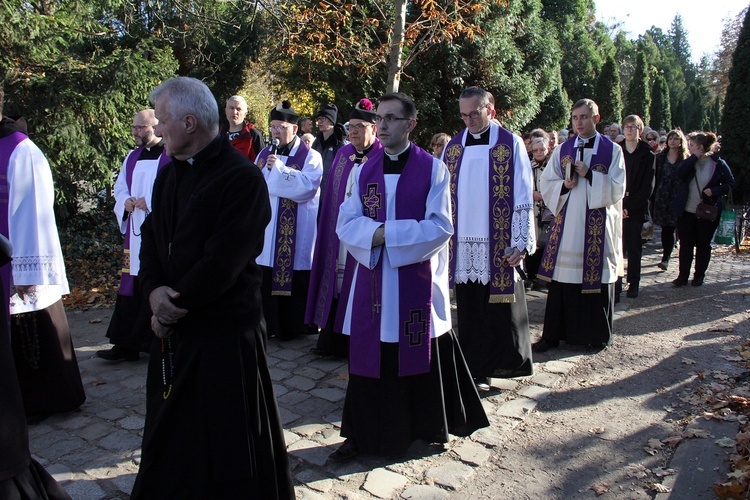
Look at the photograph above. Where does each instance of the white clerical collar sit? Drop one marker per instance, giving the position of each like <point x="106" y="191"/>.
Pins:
<point x="395" y="157"/>
<point x="479" y="135"/>
<point x="191" y="160"/>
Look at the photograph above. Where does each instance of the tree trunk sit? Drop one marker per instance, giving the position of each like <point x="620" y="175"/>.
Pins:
<point x="397" y="42"/>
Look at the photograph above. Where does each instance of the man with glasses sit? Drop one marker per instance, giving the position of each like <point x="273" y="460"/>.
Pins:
<point x="583" y="185"/>
<point x="329" y="258"/>
<point x="293" y="173"/>
<point x="130" y="327"/>
<point x="407" y="377"/>
<point x="493" y="213"/>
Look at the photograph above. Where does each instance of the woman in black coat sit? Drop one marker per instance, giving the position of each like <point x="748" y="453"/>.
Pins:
<point x="705" y="178"/>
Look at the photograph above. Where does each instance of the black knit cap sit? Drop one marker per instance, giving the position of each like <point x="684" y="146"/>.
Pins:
<point x="364" y="111"/>
<point x="285" y="113"/>
<point x="330" y="111"/>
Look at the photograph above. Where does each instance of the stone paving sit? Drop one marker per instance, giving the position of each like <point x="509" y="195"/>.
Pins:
<point x="94" y="452"/>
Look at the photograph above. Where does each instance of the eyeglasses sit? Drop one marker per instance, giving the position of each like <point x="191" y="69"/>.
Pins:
<point x="389" y="119"/>
<point x="630" y="127"/>
<point x="279" y="128"/>
<point x="649" y="139"/>
<point x="358" y="126"/>
<point x="473" y="115"/>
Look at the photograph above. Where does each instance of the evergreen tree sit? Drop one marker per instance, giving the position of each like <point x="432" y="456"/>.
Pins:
<point x="555" y="110"/>
<point x="694" y="110"/>
<point x="735" y="147"/>
<point x="681" y="48"/>
<point x="639" y="93"/>
<point x="661" y="115"/>
<point x="607" y="92"/>
<point x="678" y="116"/>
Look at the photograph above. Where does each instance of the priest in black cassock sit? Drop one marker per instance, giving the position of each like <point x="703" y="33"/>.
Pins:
<point x="212" y="425"/>
<point x="492" y="191"/>
<point x="407" y="376"/>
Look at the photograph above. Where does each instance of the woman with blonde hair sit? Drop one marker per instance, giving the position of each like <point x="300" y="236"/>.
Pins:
<point x="438" y="143"/>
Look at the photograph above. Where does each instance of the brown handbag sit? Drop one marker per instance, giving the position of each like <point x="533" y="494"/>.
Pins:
<point x="705" y="211"/>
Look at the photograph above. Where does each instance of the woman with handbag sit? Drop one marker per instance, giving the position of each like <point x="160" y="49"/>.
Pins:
<point x="666" y="190"/>
<point x="540" y="152"/>
<point x="705" y="179"/>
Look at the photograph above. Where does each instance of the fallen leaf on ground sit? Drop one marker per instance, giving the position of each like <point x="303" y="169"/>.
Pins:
<point x="637" y="471"/>
<point x="596" y="430"/>
<point x="688" y="361"/>
<point x="696" y="433"/>
<point x="600" y="488"/>
<point x="659" y="488"/>
<point x="95" y="320"/>
<point x="725" y="442"/>
<point x="672" y="441"/>
<point x="662" y="472"/>
<point x="655" y="443"/>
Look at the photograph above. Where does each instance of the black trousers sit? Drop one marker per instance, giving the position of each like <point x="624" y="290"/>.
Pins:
<point x="695" y="234"/>
<point x="631" y="241"/>
<point x="667" y="242"/>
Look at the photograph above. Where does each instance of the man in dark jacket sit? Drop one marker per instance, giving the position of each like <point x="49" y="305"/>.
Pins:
<point x="212" y="425"/>
<point x="331" y="137"/>
<point x="639" y="170"/>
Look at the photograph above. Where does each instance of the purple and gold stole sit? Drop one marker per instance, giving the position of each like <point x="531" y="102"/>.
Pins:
<point x="323" y="273"/>
<point x="501" y="205"/>
<point x="596" y="220"/>
<point x="8" y="144"/>
<point x="286" y="227"/>
<point x="414" y="280"/>
<point x="127" y="281"/>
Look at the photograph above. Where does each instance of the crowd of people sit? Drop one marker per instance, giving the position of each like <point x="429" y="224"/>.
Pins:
<point x="355" y="234"/>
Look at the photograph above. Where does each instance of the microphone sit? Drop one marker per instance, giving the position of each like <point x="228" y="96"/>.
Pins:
<point x="508" y="252"/>
<point x="274" y="146"/>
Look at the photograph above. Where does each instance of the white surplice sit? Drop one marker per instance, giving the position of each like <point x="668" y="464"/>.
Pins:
<point x="302" y="186"/>
<point x="37" y="255"/>
<point x="605" y="191"/>
<point x="473" y="227"/>
<point x="407" y="242"/>
<point x="142" y="186"/>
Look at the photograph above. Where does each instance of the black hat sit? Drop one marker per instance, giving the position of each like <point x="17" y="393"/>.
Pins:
<point x="364" y="111"/>
<point x="330" y="111"/>
<point x="284" y="112"/>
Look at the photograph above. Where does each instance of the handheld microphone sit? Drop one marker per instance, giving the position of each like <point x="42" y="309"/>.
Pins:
<point x="508" y="252"/>
<point x="581" y="144"/>
<point x="274" y="146"/>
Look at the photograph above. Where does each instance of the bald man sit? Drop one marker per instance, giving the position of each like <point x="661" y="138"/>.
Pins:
<point x="242" y="134"/>
<point x="130" y="327"/>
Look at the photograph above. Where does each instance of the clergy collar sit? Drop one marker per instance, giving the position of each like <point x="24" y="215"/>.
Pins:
<point x="397" y="155"/>
<point x="211" y="149"/>
<point x="480" y="134"/>
<point x="159" y="144"/>
<point x="394" y="164"/>
<point x="287" y="148"/>
<point x="366" y="150"/>
<point x="588" y="143"/>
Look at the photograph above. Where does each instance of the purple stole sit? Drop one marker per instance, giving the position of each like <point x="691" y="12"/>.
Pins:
<point x="8" y="144"/>
<point x="323" y="274"/>
<point x="596" y="220"/>
<point x="501" y="178"/>
<point x="414" y="281"/>
<point x="286" y="227"/>
<point x="127" y="280"/>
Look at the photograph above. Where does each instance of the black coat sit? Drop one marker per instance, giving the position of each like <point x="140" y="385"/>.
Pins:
<point x="639" y="170"/>
<point x="720" y="183"/>
<point x="203" y="241"/>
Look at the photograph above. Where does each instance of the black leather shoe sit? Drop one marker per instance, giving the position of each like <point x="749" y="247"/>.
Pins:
<point x="118" y="354"/>
<point x="544" y="345"/>
<point x="680" y="282"/>
<point x="697" y="282"/>
<point x="632" y="292"/>
<point x="346" y="452"/>
<point x="482" y="383"/>
<point x="321" y="352"/>
<point x="663" y="265"/>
